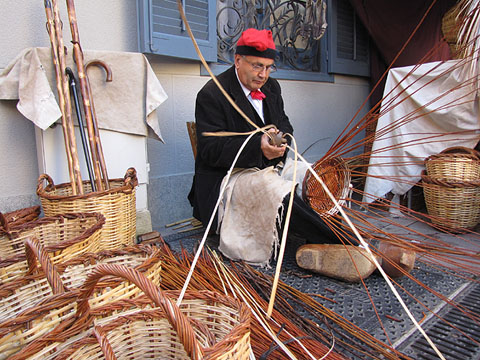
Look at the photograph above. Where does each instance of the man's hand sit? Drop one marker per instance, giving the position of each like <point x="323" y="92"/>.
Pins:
<point x="271" y="151"/>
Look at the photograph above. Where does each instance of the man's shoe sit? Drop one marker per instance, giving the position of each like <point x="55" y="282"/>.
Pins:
<point x="335" y="260"/>
<point x="397" y="261"/>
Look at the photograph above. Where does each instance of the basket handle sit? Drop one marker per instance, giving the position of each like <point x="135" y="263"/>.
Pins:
<point x="130" y="177"/>
<point x="35" y="250"/>
<point x="50" y="185"/>
<point x="102" y="339"/>
<point x="175" y="317"/>
<point x="4" y="224"/>
<point x="461" y="150"/>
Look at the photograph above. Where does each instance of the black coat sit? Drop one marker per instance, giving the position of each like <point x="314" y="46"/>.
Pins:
<point x="215" y="155"/>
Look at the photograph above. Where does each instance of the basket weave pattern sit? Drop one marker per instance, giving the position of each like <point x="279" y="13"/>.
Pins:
<point x="336" y="176"/>
<point x="33" y="305"/>
<point x="117" y="205"/>
<point x="206" y="325"/>
<point x="451" y="186"/>
<point x="64" y="237"/>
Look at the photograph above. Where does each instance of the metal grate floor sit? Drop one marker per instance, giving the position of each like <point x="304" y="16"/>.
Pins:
<point x="452" y="342"/>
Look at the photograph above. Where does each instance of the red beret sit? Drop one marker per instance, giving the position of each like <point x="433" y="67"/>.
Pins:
<point x="256" y="43"/>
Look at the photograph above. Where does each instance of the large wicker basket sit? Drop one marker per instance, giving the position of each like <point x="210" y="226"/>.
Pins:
<point x="335" y="173"/>
<point x="206" y="325"/>
<point x="452" y="205"/>
<point x="35" y="304"/>
<point x="64" y="237"/>
<point x="117" y="205"/>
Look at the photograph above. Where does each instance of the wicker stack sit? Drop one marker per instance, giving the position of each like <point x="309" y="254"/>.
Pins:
<point x="451" y="186"/>
<point x="206" y="326"/>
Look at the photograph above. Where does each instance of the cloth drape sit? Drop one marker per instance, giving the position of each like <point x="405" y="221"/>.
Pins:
<point x="126" y="104"/>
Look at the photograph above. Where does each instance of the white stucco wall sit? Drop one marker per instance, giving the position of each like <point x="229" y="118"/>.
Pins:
<point x="316" y="110"/>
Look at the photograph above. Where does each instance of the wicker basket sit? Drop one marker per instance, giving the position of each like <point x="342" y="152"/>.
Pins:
<point x="18" y="217"/>
<point x="117" y="205"/>
<point x="63" y="236"/>
<point x="453" y="167"/>
<point x="205" y="326"/>
<point x="34" y="305"/>
<point x="453" y="206"/>
<point x="450" y="27"/>
<point x="336" y="175"/>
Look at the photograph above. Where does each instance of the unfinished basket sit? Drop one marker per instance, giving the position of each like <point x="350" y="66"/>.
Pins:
<point x="336" y="176"/>
<point x="454" y="206"/>
<point x="35" y="304"/>
<point x="453" y="167"/>
<point x="206" y="325"/>
<point x="117" y="205"/>
<point x="64" y="236"/>
<point x="18" y="217"/>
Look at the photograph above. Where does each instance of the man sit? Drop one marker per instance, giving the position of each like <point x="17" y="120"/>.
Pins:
<point x="254" y="61"/>
<point x="249" y="84"/>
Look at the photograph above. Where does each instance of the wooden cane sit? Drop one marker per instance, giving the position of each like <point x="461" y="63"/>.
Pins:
<point x="78" y="57"/>
<point x="103" y="166"/>
<point x="58" y="55"/>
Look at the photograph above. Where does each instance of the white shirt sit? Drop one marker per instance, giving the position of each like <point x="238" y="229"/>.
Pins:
<point x="257" y="104"/>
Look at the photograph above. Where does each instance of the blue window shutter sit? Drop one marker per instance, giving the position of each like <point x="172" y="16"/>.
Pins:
<point x="348" y="41"/>
<point x="161" y="30"/>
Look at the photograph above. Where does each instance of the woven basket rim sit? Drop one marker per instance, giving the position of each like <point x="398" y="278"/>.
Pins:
<point x="449" y="183"/>
<point x="129" y="181"/>
<point x="88" y="232"/>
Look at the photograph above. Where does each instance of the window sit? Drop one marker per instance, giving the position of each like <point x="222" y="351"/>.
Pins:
<point x="161" y="29"/>
<point x="314" y="38"/>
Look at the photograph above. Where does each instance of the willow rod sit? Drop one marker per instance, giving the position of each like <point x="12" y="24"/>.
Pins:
<point x="78" y="57"/>
<point x="58" y="55"/>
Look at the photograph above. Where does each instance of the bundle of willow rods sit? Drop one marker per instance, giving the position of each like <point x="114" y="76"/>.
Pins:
<point x="98" y="160"/>
<point x="54" y="29"/>
<point x="241" y="280"/>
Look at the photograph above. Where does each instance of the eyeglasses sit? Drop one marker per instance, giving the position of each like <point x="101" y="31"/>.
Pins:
<point x="259" y="68"/>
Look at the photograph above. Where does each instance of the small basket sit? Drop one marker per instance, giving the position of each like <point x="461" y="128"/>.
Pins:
<point x="336" y="175"/>
<point x="35" y="304"/>
<point x="454" y="206"/>
<point x="117" y="205"/>
<point x="63" y="236"/>
<point x="453" y="167"/>
<point x="18" y="217"/>
<point x="206" y="325"/>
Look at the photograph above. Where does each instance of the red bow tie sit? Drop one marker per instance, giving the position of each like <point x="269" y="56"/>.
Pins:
<point x="257" y="95"/>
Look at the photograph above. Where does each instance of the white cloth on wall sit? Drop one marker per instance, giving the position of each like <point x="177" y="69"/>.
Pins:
<point x="436" y="109"/>
<point x="248" y="214"/>
<point x="126" y="104"/>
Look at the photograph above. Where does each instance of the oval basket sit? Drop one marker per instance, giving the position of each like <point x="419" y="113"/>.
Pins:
<point x="206" y="325"/>
<point x="18" y="217"/>
<point x="117" y="205"/>
<point x="64" y="236"/>
<point x="335" y="173"/>
<point x="454" y="206"/>
<point x="453" y="167"/>
<point x="35" y="304"/>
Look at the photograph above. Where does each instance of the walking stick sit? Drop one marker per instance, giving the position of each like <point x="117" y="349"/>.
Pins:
<point x="56" y="40"/>
<point x="78" y="57"/>
<point x="103" y="166"/>
<point x="86" y="151"/>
